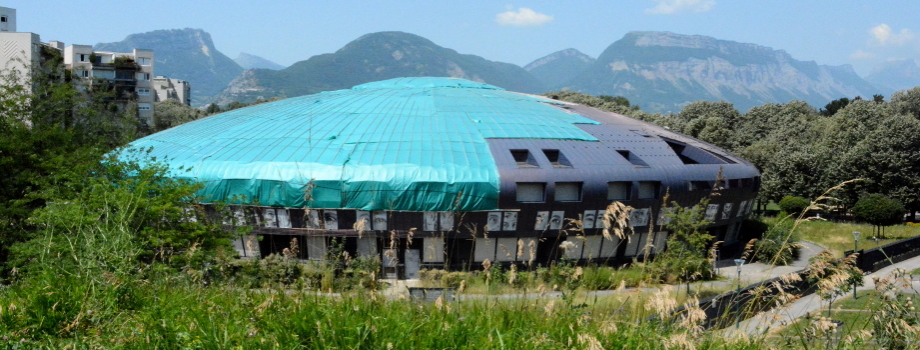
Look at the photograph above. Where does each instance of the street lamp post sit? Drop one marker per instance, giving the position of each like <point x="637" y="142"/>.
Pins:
<point x="855" y="249"/>
<point x="738" y="264"/>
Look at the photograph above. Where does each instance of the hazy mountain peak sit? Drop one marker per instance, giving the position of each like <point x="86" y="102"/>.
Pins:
<point x="559" y="67"/>
<point x="248" y="61"/>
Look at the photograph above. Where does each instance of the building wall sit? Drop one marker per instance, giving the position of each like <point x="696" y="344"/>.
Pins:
<point x="7" y="19"/>
<point x="18" y="52"/>
<point x="175" y="89"/>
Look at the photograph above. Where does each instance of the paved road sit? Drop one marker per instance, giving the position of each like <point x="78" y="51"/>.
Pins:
<point x="767" y="321"/>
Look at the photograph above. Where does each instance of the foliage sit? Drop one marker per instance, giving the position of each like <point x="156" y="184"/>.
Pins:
<point x="793" y="205"/>
<point x="686" y="255"/>
<point x="53" y="136"/>
<point x="130" y="201"/>
<point x="170" y="113"/>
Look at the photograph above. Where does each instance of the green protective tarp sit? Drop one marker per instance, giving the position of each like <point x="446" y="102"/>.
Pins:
<point x="414" y="144"/>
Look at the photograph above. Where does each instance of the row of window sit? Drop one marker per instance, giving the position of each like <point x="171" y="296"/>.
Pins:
<point x="525" y="159"/>
<point x="144" y="61"/>
<point x="572" y="191"/>
<point x="109" y="74"/>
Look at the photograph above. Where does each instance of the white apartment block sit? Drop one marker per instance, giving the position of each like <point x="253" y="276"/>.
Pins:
<point x="174" y="89"/>
<point x="130" y="72"/>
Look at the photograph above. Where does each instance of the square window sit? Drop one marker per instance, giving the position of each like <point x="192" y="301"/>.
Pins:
<point x="531" y="191"/>
<point x="524" y="159"/>
<point x="649" y="189"/>
<point x="619" y="190"/>
<point x="568" y="191"/>
<point x="3" y="19"/>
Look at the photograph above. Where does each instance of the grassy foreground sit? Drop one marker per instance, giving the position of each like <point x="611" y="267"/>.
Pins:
<point x="177" y="313"/>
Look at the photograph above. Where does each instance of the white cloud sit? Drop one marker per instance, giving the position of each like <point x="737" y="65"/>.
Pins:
<point x="667" y="7"/>
<point x="883" y="35"/>
<point x="862" y="55"/>
<point x="524" y="17"/>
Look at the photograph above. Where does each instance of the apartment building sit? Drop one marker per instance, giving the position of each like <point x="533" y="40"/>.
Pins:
<point x="174" y="89"/>
<point x="131" y="74"/>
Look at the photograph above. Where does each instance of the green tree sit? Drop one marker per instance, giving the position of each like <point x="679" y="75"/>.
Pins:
<point x="712" y="122"/>
<point x="832" y="107"/>
<point x="907" y="102"/>
<point x="879" y="211"/>
<point x="212" y="109"/>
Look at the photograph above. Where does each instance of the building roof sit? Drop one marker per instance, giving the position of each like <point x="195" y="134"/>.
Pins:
<point x="415" y="144"/>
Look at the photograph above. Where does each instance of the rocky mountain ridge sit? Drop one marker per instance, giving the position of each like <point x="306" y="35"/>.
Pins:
<point x="663" y="71"/>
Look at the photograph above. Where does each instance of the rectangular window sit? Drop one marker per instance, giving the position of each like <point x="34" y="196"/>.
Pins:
<point x="649" y="189"/>
<point x="433" y="249"/>
<point x="82" y="73"/>
<point x="3" y="19"/>
<point x="123" y="75"/>
<point x="143" y="76"/>
<point x="144" y="61"/>
<point x="568" y="191"/>
<point x="143" y="106"/>
<point x="143" y="92"/>
<point x="506" y="250"/>
<point x="82" y="57"/>
<point x="556" y="158"/>
<point x="619" y="190"/>
<point x="103" y="74"/>
<point x="484" y="249"/>
<point x="531" y="191"/>
<point x="523" y="158"/>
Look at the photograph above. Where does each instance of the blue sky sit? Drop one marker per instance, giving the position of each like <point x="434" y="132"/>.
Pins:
<point x="860" y="33"/>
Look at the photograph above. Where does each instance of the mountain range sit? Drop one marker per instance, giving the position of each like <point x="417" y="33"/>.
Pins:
<point x="373" y="57"/>
<point x="659" y="71"/>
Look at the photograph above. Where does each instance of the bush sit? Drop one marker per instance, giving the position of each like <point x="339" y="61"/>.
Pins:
<point x="793" y="205"/>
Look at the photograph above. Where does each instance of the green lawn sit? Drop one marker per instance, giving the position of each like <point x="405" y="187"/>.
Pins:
<point x="838" y="237"/>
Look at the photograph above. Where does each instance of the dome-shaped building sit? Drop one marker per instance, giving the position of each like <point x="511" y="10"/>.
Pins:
<point x="446" y="173"/>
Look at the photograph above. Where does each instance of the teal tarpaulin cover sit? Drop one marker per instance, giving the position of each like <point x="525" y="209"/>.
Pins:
<point x="413" y="144"/>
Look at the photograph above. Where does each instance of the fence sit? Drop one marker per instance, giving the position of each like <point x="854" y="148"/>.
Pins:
<point x="728" y="308"/>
